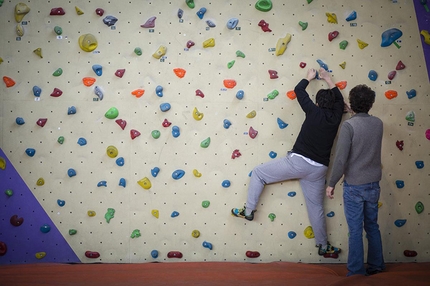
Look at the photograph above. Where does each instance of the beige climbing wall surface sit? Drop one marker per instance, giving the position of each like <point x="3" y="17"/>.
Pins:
<point x="206" y="69"/>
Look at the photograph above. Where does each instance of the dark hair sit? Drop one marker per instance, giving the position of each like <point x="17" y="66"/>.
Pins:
<point x="325" y="98"/>
<point x="361" y="98"/>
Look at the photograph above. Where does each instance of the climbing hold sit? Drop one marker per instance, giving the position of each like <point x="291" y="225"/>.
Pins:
<point x="79" y="11"/>
<point x="426" y="36"/>
<point x="331" y="18"/>
<point x="92" y="254"/>
<point x="87" y="42"/>
<point x="56" y="92"/>
<point x="174" y="214"/>
<point x="175" y="131"/>
<point x="236" y="154"/>
<point x="226" y="123"/>
<point x="264" y="26"/>
<point x="72" y="231"/>
<point x="291" y="234"/>
<point x="37" y="91"/>
<point x="209" y="43"/>
<point x="400" y="184"/>
<point x="100" y="11"/>
<point x="230" y="64"/>
<point x="45" y="228"/>
<point x="190" y="44"/>
<point x="40" y="255"/>
<point x="2" y="163"/>
<point x="71" y="110"/>
<point x="58" y="11"/>
<point x="391" y="75"/>
<point x="400" y="66"/>
<point x="88" y="81"/>
<point x="179" y="72"/>
<point x="19" y="121"/>
<point x="427" y="134"/>
<point x="341" y="84"/>
<point x="40" y="182"/>
<point x="272" y="217"/>
<point x="58" y="30"/>
<point x="410" y="116"/>
<point x="330" y="214"/>
<point x="322" y="65"/>
<point x="240" y="94"/>
<point x="419" y="207"/>
<point x="291" y="94"/>
<point x="410" y="253"/>
<point x="263" y="5"/>
<point x="154" y="253"/>
<point x="232" y="23"/>
<point x="273" y="74"/>
<point x="343" y="44"/>
<point x="200" y="93"/>
<point x="273" y="94"/>
<point x="155" y="213"/>
<point x="399" y="145"/>
<point x="134" y="133"/>
<point x="229" y="83"/>
<point x="207" y="245"/>
<point x="190" y="3"/>
<point x="205" y="204"/>
<point x="195" y="233"/>
<point x="155" y="171"/>
<point x="373" y="75"/>
<point x="165" y="107"/>
<point x="362" y="44"/>
<point x="112" y="113"/>
<point x="38" y="52"/>
<point x="166" y="123"/>
<point x="201" y="12"/>
<point x="102" y="184"/>
<point x="120" y="161"/>
<point x="342" y="65"/>
<point x="252" y="132"/>
<point x="138" y="51"/>
<point x="419" y="164"/>
<point x="197" y="173"/>
<point x="281" y="123"/>
<point x="8" y="192"/>
<point x="41" y="121"/>
<point x="122" y="182"/>
<point x="390" y="36"/>
<point x="16" y="221"/>
<point x="155" y="134"/>
<point x="159" y="91"/>
<point x="252" y="254"/>
<point x="110" y="20"/>
<point x="390" y="94"/>
<point x="205" y="143"/>
<point x="281" y="45"/>
<point x="424" y="3"/>
<point x="292" y="194"/>
<point x="309" y="232"/>
<point x="175" y="254"/>
<point x="400" y="222"/>
<point x="135" y="233"/>
<point x="21" y="10"/>
<point x="71" y="172"/>
<point x="161" y="51"/>
<point x="122" y="123"/>
<point x="332" y="35"/>
<point x="138" y="92"/>
<point x="177" y="174"/>
<point x="273" y="154"/>
<point x="8" y="81"/>
<point x="351" y="16"/>
<point x="197" y="115"/>
<point x="304" y="25"/>
<point x="110" y="214"/>
<point x="120" y="73"/>
<point x="225" y="183"/>
<point x="20" y="30"/>
<point x="30" y="152"/>
<point x="91" y="213"/>
<point x="210" y="24"/>
<point x="252" y="114"/>
<point x="98" y="69"/>
<point x="240" y="54"/>
<point x="150" y="23"/>
<point x="145" y="183"/>
<point x="180" y="13"/>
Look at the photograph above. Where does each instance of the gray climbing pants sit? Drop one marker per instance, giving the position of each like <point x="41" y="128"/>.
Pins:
<point x="312" y="182"/>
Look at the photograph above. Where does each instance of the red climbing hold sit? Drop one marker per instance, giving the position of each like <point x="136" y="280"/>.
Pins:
<point x="41" y="122"/>
<point x="56" y="93"/>
<point x="8" y="81"/>
<point x="302" y="65"/>
<point x="410" y="253"/>
<point x="264" y="26"/>
<point x="236" y="154"/>
<point x="134" y="133"/>
<point x="16" y="221"/>
<point x="400" y="144"/>
<point x="166" y="123"/>
<point x="92" y="254"/>
<point x="200" y="93"/>
<point x="121" y="122"/>
<point x="100" y="11"/>
<point x="400" y="66"/>
<point x="120" y="72"/>
<point x="252" y="132"/>
<point x="332" y="35"/>
<point x="3" y="248"/>
<point x="174" y="254"/>
<point x="391" y="75"/>
<point x="273" y="74"/>
<point x="57" y="11"/>
<point x="331" y="255"/>
<point x="190" y="44"/>
<point x="252" y="254"/>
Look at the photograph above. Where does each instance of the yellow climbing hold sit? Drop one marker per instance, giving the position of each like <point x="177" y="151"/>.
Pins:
<point x="281" y="45"/>
<point x="2" y="163"/>
<point x="145" y="183"/>
<point x="426" y="36"/>
<point x="331" y="18"/>
<point x="40" y="182"/>
<point x="196" y="173"/>
<point x="362" y="44"/>
<point x="209" y="43"/>
<point x="91" y="213"/>
<point x="40" y="255"/>
<point x="379" y="205"/>
<point x="21" y="10"/>
<point x="38" y="52"/>
<point x="195" y="233"/>
<point x="252" y="114"/>
<point x="87" y="42"/>
<point x="160" y="52"/>
<point x="342" y="65"/>
<point x="112" y="151"/>
<point x="79" y="11"/>
<point x="155" y="213"/>
<point x="1" y="60"/>
<point x="309" y="232"/>
<point x="197" y="115"/>
<point x="19" y="30"/>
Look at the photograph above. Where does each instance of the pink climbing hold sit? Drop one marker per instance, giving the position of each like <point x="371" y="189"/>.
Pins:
<point x="41" y="122"/>
<point x="56" y="93"/>
<point x="264" y="26"/>
<point x="100" y="11"/>
<point x="174" y="254"/>
<point x="190" y="44"/>
<point x="391" y="75"/>
<point x="400" y="144"/>
<point x="57" y="12"/>
<point x="150" y="23"/>
<point x="236" y="154"/>
<point x="273" y="74"/>
<point x="400" y="66"/>
<point x="166" y="123"/>
<point x="134" y="133"/>
<point x="332" y="35"/>
<point x="120" y="72"/>
<point x="121" y="122"/>
<point x="200" y="93"/>
<point x="252" y="132"/>
<point x="428" y="134"/>
<point x="92" y="254"/>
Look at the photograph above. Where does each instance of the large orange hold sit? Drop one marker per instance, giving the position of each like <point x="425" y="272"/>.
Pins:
<point x="138" y="92"/>
<point x="291" y="94"/>
<point x="180" y="72"/>
<point x="390" y="94"/>
<point x="341" y="84"/>
<point x="8" y="81"/>
<point x="88" y="81"/>
<point x="229" y="83"/>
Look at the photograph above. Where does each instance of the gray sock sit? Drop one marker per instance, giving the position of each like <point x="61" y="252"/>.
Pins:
<point x="248" y="211"/>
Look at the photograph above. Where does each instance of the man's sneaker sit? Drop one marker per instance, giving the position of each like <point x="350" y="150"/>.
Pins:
<point x="329" y="250"/>
<point x="241" y="213"/>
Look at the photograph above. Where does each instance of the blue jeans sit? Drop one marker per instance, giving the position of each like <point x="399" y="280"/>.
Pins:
<point x="361" y="207"/>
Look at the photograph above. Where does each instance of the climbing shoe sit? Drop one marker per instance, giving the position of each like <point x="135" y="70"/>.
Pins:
<point x="241" y="213"/>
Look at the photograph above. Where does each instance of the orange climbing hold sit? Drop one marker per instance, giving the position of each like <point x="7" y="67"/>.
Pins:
<point x="138" y="92"/>
<point x="291" y="94"/>
<point x="88" y="81"/>
<point x="390" y="94"/>
<point x="180" y="72"/>
<point x="341" y="84"/>
<point x="8" y="81"/>
<point x="229" y="83"/>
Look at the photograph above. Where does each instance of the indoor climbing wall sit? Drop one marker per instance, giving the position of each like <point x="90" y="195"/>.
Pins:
<point x="129" y="128"/>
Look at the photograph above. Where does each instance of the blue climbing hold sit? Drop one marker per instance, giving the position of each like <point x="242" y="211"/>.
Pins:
<point x="411" y="93"/>
<point x="61" y="203"/>
<point x="120" y="161"/>
<point x="419" y="164"/>
<point x="102" y="184"/>
<point x="45" y="228"/>
<point x="122" y="182"/>
<point x="82" y="141"/>
<point x="71" y="172"/>
<point x="71" y="110"/>
<point x="19" y="121"/>
<point x="207" y="245"/>
<point x="291" y="234"/>
<point x="400" y="222"/>
<point x="175" y="131"/>
<point x="180" y="13"/>
<point x="159" y="91"/>
<point x="240" y="94"/>
<point x="390" y="36"/>
<point x="30" y="151"/>
<point x="232" y="23"/>
<point x="165" y="107"/>
<point x="178" y="174"/>
<point x="174" y="214"/>
<point x="226" y="183"/>
<point x="273" y="154"/>
<point x="226" y="123"/>
<point x="281" y="123"/>
<point x="201" y="12"/>
<point x="155" y="171"/>
<point x="322" y="65"/>
<point x="154" y="253"/>
<point x="37" y="91"/>
<point x="352" y="16"/>
<point x="292" y="194"/>
<point x="373" y="75"/>
<point x="98" y="70"/>
<point x="330" y="214"/>
<point x="400" y="184"/>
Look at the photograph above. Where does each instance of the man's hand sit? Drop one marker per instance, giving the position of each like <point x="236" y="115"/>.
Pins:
<point x="323" y="74"/>
<point x="311" y="74"/>
<point x="330" y="192"/>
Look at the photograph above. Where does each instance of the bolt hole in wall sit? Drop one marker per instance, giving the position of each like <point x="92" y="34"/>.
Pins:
<point x="137" y="152"/>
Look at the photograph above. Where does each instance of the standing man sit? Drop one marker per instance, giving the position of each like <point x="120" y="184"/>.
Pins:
<point x="308" y="160"/>
<point x="358" y="157"/>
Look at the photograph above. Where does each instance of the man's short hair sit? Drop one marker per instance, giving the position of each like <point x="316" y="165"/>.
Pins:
<point x="325" y="98"/>
<point x="361" y="98"/>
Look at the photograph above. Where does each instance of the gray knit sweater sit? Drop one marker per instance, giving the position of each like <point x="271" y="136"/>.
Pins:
<point x="358" y="151"/>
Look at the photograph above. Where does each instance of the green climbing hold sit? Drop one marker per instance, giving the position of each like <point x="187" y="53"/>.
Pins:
<point x="138" y="51"/>
<point x="410" y="116"/>
<point x="109" y="214"/>
<point x="343" y="44"/>
<point x="304" y="25"/>
<point x="231" y="64"/>
<point x="58" y="72"/>
<point x="205" y="204"/>
<point x="72" y="231"/>
<point x="273" y="94"/>
<point x="205" y="143"/>
<point x="419" y="207"/>
<point x="310" y="1"/>
<point x="135" y="233"/>
<point x="8" y="192"/>
<point x="263" y="5"/>
<point x="155" y="134"/>
<point x="112" y="113"/>
<point x="272" y="216"/>
<point x="190" y="3"/>
<point x="240" y="54"/>
<point x="58" y="30"/>
<point x="60" y="139"/>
